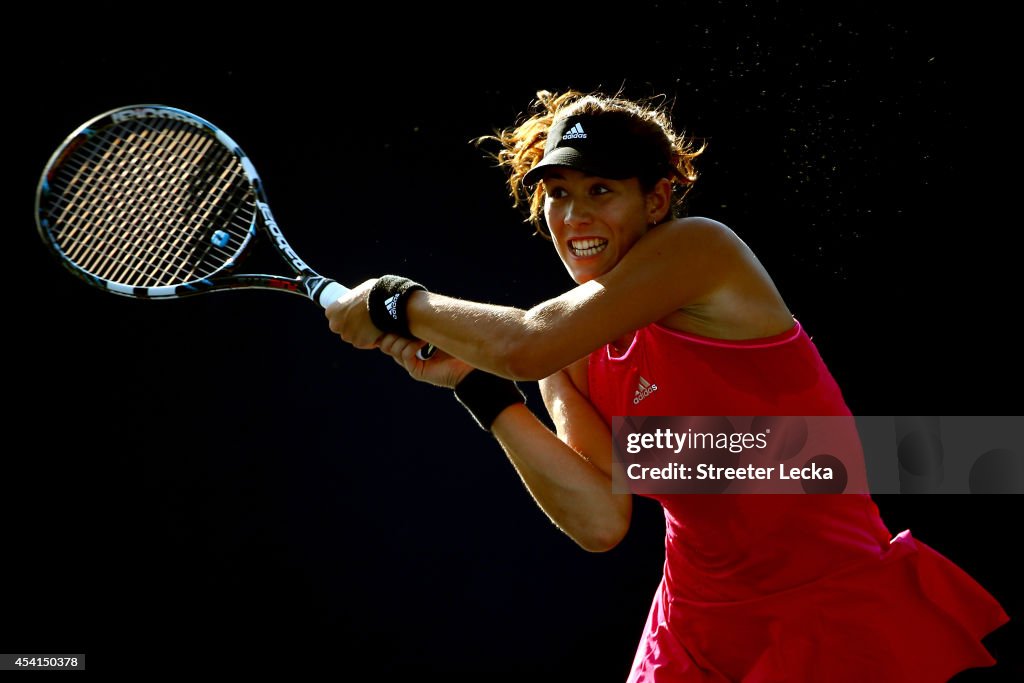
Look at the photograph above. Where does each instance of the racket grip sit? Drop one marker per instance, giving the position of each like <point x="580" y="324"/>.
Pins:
<point x="331" y="291"/>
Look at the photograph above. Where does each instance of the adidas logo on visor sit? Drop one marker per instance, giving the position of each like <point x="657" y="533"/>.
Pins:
<point x="574" y="132"/>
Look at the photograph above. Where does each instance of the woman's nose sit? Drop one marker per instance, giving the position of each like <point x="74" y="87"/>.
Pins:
<point x="577" y="213"/>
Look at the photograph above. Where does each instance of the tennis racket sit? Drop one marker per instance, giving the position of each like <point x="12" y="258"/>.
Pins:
<point x="153" y="202"/>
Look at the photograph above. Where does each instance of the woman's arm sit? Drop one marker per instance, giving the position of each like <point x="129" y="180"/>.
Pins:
<point x="576" y="495"/>
<point x="679" y="265"/>
<point x="676" y="265"/>
<point x="569" y="486"/>
<point x="568" y="475"/>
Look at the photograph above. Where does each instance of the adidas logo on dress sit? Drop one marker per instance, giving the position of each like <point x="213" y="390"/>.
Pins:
<point x="643" y="390"/>
<point x="574" y="132"/>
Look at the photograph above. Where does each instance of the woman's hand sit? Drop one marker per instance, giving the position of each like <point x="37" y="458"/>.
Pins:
<point x="350" y="319"/>
<point x="441" y="370"/>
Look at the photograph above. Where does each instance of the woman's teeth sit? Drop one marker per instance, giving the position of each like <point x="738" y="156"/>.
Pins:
<point x="587" y="247"/>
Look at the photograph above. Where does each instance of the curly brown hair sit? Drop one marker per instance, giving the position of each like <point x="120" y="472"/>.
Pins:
<point x="522" y="146"/>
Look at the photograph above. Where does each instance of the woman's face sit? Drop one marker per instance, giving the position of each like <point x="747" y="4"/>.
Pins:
<point x="593" y="221"/>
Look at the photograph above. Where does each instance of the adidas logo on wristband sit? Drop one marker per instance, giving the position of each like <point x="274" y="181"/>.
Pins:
<point x="391" y="303"/>
<point x="386" y="303"/>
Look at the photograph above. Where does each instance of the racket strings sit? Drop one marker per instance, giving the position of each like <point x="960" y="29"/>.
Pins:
<point x="161" y="265"/>
<point x="107" y="212"/>
<point x="99" y="200"/>
<point x="138" y="203"/>
<point x="119" y="243"/>
<point x="172" y="260"/>
<point x="145" y="258"/>
<point x="123" y="241"/>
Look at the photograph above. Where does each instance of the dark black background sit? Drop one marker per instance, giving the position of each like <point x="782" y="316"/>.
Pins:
<point x="220" y="482"/>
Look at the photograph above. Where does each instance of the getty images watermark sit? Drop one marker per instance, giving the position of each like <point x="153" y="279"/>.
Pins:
<point x="814" y="454"/>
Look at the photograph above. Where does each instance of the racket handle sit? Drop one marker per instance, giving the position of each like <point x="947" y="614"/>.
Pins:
<point x="331" y="291"/>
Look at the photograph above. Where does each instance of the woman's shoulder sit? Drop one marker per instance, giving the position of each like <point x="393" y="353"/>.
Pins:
<point x="701" y="224"/>
<point x="706" y="249"/>
<point x="701" y="231"/>
<point x="743" y="302"/>
<point x="699" y="220"/>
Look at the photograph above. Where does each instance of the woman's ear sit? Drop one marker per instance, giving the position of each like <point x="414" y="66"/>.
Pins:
<point x="659" y="201"/>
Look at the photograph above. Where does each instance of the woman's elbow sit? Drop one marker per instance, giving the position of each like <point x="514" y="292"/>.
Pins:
<point x="526" y="358"/>
<point x="605" y="537"/>
<point x="600" y="543"/>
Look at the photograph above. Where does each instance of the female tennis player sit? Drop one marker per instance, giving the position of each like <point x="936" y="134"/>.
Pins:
<point x="676" y="316"/>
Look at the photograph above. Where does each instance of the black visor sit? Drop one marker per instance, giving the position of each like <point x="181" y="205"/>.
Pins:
<point x="609" y="145"/>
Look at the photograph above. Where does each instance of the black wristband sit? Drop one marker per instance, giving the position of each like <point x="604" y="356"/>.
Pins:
<point x="387" y="301"/>
<point x="485" y="395"/>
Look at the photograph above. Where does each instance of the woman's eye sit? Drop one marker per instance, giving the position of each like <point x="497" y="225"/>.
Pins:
<point x="600" y="189"/>
<point x="556" y="192"/>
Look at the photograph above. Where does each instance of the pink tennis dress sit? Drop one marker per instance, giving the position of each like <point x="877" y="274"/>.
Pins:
<point x="765" y="588"/>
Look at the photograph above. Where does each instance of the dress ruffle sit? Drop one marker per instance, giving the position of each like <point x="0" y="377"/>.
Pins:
<point x="908" y="615"/>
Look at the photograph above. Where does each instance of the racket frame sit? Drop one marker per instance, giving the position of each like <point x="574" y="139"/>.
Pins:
<point x="305" y="281"/>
